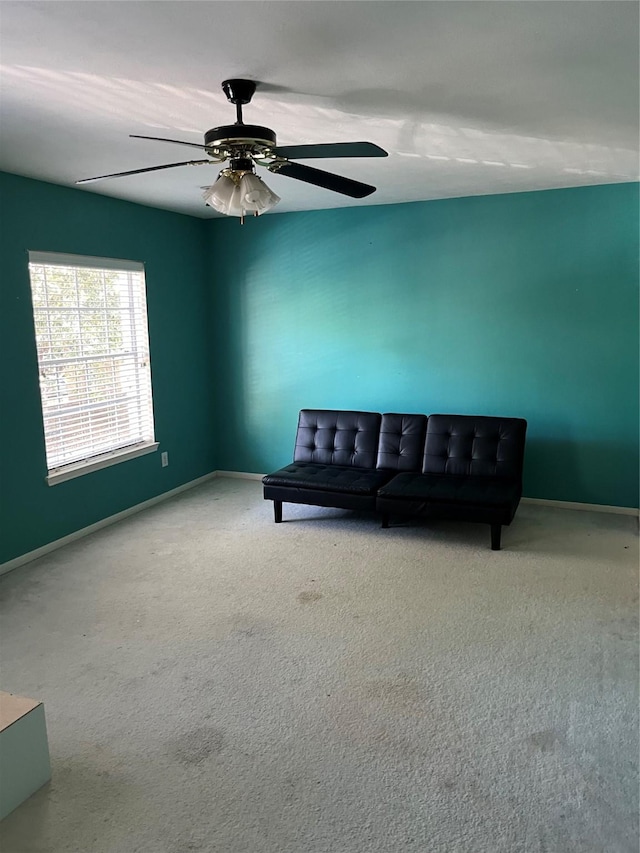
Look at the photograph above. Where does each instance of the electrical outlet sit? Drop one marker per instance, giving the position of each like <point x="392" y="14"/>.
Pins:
<point x="164" y="458"/>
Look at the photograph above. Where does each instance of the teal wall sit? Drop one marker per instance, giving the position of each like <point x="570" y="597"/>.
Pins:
<point x="523" y="304"/>
<point x="45" y="217"/>
<point x="518" y="305"/>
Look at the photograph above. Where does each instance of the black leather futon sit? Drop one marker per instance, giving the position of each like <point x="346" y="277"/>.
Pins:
<point x="454" y="466"/>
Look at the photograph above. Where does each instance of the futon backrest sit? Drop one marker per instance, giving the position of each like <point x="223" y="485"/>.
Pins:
<point x="476" y="446"/>
<point x="401" y="444"/>
<point x="337" y="437"/>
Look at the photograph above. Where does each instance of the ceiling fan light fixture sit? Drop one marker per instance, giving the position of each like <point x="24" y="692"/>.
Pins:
<point x="223" y="195"/>
<point x="256" y="195"/>
<point x="238" y="190"/>
<point x="237" y="193"/>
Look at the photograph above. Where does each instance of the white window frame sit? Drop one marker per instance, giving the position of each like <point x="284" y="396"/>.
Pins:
<point x="123" y="453"/>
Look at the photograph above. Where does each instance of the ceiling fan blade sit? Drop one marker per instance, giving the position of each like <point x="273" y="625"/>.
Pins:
<point x="331" y="149"/>
<point x="140" y="171"/>
<point x="320" y="178"/>
<point x="174" y="141"/>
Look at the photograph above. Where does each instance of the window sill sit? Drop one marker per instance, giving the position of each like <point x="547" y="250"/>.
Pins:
<point x="78" y="469"/>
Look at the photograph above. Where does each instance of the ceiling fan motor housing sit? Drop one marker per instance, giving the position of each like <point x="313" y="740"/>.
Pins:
<point x="249" y="137"/>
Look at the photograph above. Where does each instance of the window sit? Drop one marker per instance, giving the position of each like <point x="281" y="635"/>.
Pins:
<point x="93" y="357"/>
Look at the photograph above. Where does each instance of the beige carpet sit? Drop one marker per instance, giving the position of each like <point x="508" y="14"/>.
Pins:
<point x="215" y="682"/>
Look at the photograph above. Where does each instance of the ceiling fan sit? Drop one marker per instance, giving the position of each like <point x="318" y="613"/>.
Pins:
<point x="238" y="190"/>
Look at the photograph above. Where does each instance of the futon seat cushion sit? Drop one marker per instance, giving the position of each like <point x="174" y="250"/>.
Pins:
<point x="451" y="489"/>
<point x="329" y="478"/>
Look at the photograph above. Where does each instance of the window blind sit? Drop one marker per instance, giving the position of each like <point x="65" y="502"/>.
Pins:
<point x="92" y="339"/>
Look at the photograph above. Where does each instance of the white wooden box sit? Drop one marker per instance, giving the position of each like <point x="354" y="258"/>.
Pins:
<point x="24" y="750"/>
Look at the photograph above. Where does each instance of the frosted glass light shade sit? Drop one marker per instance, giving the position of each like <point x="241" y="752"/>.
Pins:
<point x="224" y="196"/>
<point x="256" y="195"/>
<point x="237" y="196"/>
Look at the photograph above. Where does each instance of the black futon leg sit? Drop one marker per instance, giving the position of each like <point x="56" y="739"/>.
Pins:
<point x="496" y="530"/>
<point x="277" y="511"/>
<point x="385" y="520"/>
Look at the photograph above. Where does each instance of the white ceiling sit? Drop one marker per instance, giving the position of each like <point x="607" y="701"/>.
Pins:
<point x="468" y="97"/>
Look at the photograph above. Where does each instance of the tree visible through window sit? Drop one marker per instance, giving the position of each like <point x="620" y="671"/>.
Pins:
<point x="93" y="355"/>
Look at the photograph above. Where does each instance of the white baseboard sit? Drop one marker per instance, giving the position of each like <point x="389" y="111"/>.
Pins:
<point x="617" y="510"/>
<point x="240" y="475"/>
<point x="245" y="475"/>
<point x="98" y="525"/>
